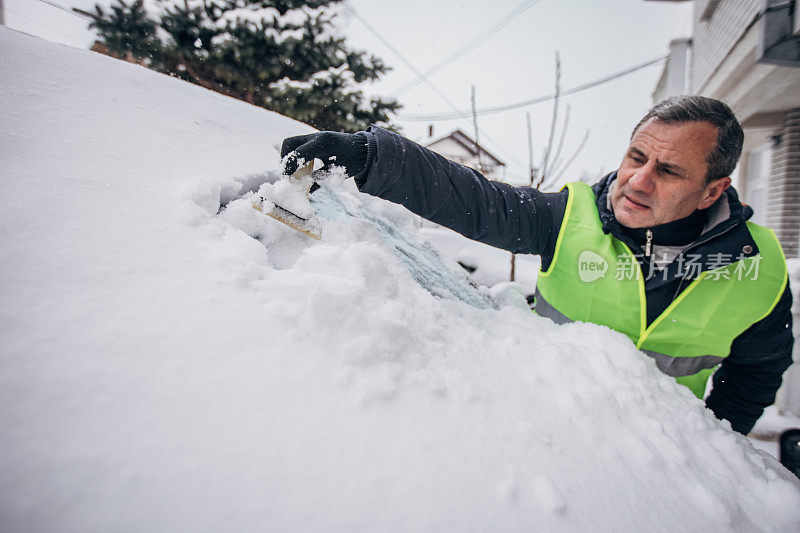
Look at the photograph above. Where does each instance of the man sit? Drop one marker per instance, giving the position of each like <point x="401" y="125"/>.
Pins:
<point x="659" y="250"/>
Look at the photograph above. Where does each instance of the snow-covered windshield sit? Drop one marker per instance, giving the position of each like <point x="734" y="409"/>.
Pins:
<point x="424" y="264"/>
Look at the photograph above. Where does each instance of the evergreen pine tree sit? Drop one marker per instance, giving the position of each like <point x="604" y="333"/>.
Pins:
<point x="126" y="30"/>
<point x="284" y="55"/>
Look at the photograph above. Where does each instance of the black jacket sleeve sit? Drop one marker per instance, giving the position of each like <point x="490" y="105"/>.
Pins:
<point x="749" y="377"/>
<point x="517" y="219"/>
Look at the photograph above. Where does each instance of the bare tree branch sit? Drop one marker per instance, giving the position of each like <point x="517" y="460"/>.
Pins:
<point x="531" y="168"/>
<point x="556" y="158"/>
<point x="549" y="147"/>
<point x="572" y="158"/>
<point x="475" y="124"/>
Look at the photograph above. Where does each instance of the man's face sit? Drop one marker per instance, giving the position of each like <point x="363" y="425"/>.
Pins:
<point x="663" y="174"/>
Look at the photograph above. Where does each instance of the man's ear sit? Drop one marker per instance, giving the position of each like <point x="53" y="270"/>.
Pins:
<point x="713" y="191"/>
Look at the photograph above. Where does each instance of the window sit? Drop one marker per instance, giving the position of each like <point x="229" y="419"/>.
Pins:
<point x="759" y="167"/>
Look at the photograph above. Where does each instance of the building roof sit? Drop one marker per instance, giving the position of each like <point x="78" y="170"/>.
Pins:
<point x="465" y="141"/>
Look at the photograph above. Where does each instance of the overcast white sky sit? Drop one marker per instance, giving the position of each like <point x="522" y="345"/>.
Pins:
<point x="594" y="37"/>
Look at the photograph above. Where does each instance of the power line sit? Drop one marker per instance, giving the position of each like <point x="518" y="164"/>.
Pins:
<point x="508" y="107"/>
<point x="402" y="58"/>
<point x="465" y="116"/>
<point x="468" y="47"/>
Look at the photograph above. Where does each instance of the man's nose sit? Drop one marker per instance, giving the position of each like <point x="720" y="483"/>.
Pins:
<point x="642" y="180"/>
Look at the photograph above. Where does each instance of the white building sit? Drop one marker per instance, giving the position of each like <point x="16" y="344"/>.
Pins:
<point x="461" y="148"/>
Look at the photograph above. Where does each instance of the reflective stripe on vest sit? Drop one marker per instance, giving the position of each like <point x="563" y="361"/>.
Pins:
<point x="588" y="281"/>
<point x="671" y="366"/>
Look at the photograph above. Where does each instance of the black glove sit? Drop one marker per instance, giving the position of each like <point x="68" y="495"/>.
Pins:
<point x="342" y="149"/>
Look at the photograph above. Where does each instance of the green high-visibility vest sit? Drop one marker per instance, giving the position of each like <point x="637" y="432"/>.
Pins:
<point x="594" y="277"/>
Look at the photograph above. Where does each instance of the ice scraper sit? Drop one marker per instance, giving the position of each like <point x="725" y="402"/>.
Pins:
<point x="288" y="202"/>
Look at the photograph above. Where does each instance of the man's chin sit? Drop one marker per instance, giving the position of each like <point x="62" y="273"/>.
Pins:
<point x="630" y="214"/>
<point x="631" y="220"/>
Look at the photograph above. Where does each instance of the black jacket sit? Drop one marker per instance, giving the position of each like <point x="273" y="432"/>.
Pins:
<point x="524" y="220"/>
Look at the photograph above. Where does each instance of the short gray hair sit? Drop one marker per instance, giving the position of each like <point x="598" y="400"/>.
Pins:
<point x="730" y="137"/>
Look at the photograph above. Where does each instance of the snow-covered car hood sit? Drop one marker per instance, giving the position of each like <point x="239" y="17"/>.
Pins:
<point x="174" y="360"/>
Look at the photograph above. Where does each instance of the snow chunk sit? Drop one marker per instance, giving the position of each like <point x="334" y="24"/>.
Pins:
<point x="289" y="195"/>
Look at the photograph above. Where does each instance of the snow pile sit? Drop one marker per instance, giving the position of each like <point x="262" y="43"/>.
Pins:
<point x="174" y="360"/>
<point x="290" y="195"/>
<point x="293" y="194"/>
<point x="488" y="265"/>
